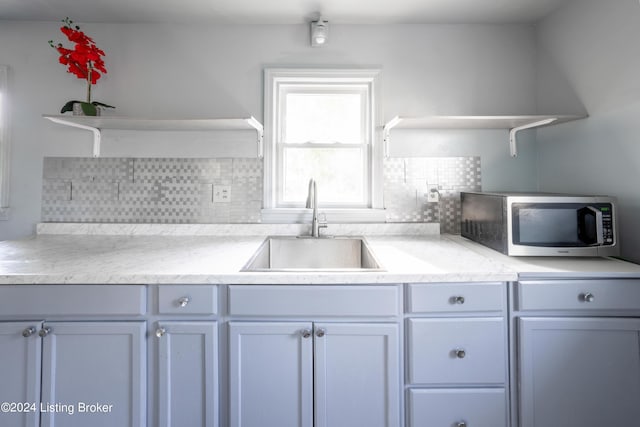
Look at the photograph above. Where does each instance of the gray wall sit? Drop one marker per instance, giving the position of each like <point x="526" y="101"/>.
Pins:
<point x="596" y="45"/>
<point x="160" y="71"/>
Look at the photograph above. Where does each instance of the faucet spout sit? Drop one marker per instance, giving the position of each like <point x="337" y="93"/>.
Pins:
<point x="312" y="203"/>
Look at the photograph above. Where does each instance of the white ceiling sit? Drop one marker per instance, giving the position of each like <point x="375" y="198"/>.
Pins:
<point x="281" y="11"/>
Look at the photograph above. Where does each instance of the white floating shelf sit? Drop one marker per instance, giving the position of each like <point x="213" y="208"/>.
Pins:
<point x="97" y="124"/>
<point x="513" y="123"/>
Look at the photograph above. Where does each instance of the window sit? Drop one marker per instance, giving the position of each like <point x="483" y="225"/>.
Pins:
<point x="322" y="124"/>
<point x="4" y="145"/>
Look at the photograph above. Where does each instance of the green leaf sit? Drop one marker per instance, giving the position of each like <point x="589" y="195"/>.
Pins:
<point x="68" y="106"/>
<point x="100" y="104"/>
<point x="89" y="109"/>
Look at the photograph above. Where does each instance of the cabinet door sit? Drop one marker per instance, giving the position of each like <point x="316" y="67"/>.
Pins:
<point x="20" y="352"/>
<point x="357" y="375"/>
<point x="270" y="374"/>
<point x="93" y="374"/>
<point x="579" y="372"/>
<point x="188" y="374"/>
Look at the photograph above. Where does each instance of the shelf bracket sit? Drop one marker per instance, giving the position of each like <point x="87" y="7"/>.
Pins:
<point x="513" y="142"/>
<point x="251" y="121"/>
<point x="97" y="133"/>
<point x="386" y="131"/>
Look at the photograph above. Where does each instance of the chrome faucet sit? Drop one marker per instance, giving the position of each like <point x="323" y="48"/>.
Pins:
<point x="312" y="203"/>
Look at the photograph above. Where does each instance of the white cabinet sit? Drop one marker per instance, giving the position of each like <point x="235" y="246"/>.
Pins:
<point x="356" y="375"/>
<point x="270" y="370"/>
<point x="93" y="373"/>
<point x="579" y="372"/>
<point x="457" y="355"/>
<point x="78" y="365"/>
<point x="20" y="352"/>
<point x="187" y="373"/>
<point x="578" y="352"/>
<point x="184" y="345"/>
<point x="304" y="374"/>
<point x="314" y="356"/>
<point x="98" y="369"/>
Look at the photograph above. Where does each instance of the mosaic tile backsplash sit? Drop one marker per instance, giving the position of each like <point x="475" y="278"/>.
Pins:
<point x="407" y="182"/>
<point x="158" y="190"/>
<point x="177" y="190"/>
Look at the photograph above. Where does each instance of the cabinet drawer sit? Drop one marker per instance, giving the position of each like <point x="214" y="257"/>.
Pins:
<point x="71" y="300"/>
<point x="448" y="407"/>
<point x="455" y="298"/>
<point x="457" y="351"/>
<point x="313" y="300"/>
<point x="579" y="295"/>
<point x="187" y="299"/>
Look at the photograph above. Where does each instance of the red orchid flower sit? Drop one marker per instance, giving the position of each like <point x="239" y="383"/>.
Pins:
<point x="85" y="59"/>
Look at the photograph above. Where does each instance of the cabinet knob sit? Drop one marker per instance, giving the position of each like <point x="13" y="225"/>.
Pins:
<point x="320" y="332"/>
<point x="29" y="331"/>
<point x="460" y="353"/>
<point x="458" y="299"/>
<point x="160" y="332"/>
<point x="461" y="424"/>
<point x="44" y="331"/>
<point x="182" y="302"/>
<point x="587" y="297"/>
<point x="306" y="333"/>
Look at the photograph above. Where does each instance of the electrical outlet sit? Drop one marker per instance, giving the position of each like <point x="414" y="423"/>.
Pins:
<point x="221" y="194"/>
<point x="433" y="195"/>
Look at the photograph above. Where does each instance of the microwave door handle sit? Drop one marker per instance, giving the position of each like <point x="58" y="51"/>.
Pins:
<point x="599" y="226"/>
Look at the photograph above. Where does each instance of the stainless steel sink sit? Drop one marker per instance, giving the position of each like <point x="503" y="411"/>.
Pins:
<point x="340" y="254"/>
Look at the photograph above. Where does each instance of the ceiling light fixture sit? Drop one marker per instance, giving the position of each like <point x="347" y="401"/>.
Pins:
<point x="319" y="32"/>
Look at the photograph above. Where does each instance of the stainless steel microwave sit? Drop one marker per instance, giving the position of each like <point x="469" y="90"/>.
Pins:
<point x="541" y="224"/>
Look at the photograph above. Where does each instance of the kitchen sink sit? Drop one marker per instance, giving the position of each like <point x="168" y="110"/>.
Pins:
<point x="290" y="253"/>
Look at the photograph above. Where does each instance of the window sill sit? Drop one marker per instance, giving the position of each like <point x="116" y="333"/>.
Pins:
<point x="300" y="215"/>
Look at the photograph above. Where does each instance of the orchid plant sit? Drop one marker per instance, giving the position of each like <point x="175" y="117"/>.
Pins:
<point x="84" y="61"/>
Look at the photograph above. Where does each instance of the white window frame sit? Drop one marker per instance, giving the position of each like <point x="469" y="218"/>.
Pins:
<point x="372" y="208"/>
<point x="5" y="152"/>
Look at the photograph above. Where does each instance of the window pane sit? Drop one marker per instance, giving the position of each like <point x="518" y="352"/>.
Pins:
<point x="324" y="118"/>
<point x="338" y="173"/>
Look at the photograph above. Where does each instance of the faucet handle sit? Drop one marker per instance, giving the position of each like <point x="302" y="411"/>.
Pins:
<point x="322" y="222"/>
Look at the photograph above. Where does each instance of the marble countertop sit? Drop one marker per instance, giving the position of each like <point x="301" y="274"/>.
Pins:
<point x="95" y="255"/>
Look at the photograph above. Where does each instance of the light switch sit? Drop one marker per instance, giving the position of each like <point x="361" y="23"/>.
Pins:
<point x="221" y="194"/>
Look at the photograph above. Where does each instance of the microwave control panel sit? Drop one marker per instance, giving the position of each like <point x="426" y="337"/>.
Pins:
<point x="607" y="223"/>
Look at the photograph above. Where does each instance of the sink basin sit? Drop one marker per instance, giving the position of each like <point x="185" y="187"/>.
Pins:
<point x="313" y="254"/>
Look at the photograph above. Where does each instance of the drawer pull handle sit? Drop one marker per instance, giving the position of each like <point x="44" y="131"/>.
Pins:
<point x="182" y="302"/>
<point x="320" y="332"/>
<point x="306" y="333"/>
<point x="44" y="332"/>
<point x="461" y="424"/>
<point x="587" y="297"/>
<point x="458" y="299"/>
<point x="160" y="332"/>
<point x="28" y="332"/>
<point x="460" y="353"/>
